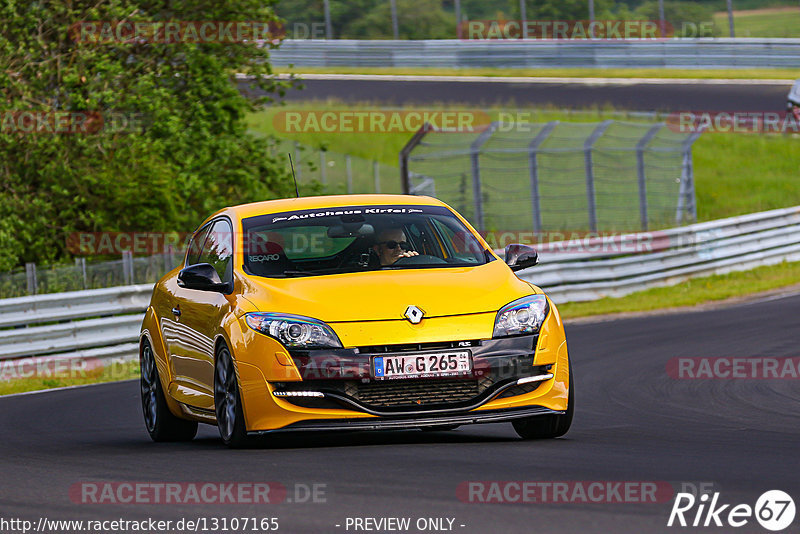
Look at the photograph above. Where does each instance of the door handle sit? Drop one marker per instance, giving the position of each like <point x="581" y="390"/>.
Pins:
<point x="176" y="312"/>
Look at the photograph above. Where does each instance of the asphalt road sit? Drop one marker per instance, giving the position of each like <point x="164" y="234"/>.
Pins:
<point x="660" y="97"/>
<point x="633" y="423"/>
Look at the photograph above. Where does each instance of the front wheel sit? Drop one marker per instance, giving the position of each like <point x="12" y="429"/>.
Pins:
<point x="228" y="402"/>
<point x="549" y="426"/>
<point x="160" y="423"/>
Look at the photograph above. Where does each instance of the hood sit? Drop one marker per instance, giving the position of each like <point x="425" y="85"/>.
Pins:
<point x="385" y="295"/>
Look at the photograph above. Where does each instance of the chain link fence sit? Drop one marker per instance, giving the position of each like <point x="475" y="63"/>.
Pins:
<point x="36" y="279"/>
<point x="555" y="176"/>
<point x="321" y="171"/>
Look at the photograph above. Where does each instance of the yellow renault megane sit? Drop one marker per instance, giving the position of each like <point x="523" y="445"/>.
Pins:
<point x="353" y="312"/>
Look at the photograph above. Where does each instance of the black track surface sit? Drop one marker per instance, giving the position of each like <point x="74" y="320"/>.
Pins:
<point x="633" y="423"/>
<point x="635" y="97"/>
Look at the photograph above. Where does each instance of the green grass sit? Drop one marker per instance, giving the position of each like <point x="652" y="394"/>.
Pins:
<point x="734" y="173"/>
<point x="691" y="293"/>
<point x="769" y="22"/>
<point x="113" y="372"/>
<point x="736" y="74"/>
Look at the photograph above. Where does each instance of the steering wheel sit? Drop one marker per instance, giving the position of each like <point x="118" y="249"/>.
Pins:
<point x="419" y="260"/>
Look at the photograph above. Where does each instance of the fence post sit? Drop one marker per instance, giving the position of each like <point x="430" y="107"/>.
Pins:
<point x="533" y="164"/>
<point x="640" y="172"/>
<point x="477" y="190"/>
<point x="349" y="171"/>
<point x="80" y="265"/>
<point x="297" y="159"/>
<point x="169" y="258"/>
<point x="30" y="274"/>
<point x="322" y="166"/>
<point x="415" y="140"/>
<point x="686" y="193"/>
<point x="127" y="267"/>
<point x="588" y="145"/>
<point x="376" y="174"/>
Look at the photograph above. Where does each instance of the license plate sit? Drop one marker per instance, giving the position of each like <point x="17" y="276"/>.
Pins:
<point x="422" y="365"/>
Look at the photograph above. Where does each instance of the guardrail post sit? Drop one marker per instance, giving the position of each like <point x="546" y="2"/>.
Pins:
<point x="477" y="190"/>
<point x="640" y="171"/>
<point x="30" y="274"/>
<point x="349" y="171"/>
<point x="376" y="175"/>
<point x="588" y="145"/>
<point x="533" y="164"/>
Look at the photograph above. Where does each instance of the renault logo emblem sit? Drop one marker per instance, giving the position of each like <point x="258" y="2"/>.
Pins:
<point x="414" y="314"/>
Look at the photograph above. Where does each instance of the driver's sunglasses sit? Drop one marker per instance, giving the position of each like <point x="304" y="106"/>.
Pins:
<point x="394" y="244"/>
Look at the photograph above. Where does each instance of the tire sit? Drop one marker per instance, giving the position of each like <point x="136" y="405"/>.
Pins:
<point x="159" y="421"/>
<point x="549" y="426"/>
<point x="228" y="402"/>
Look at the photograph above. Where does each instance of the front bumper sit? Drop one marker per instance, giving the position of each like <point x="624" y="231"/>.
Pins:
<point x="493" y="416"/>
<point x="351" y="399"/>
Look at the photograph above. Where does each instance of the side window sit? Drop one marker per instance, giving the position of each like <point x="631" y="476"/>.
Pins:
<point x="218" y="249"/>
<point x="196" y="245"/>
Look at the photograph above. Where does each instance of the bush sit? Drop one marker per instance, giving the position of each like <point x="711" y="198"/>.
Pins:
<point x="191" y="155"/>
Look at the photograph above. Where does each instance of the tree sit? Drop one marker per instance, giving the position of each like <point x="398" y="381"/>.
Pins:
<point x="190" y="156"/>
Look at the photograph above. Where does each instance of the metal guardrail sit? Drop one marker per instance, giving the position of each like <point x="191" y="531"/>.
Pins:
<point x="104" y="323"/>
<point x="678" y="53"/>
<point x="573" y="271"/>
<point x="95" y="323"/>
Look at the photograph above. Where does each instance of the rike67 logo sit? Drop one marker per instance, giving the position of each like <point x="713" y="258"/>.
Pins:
<point x="774" y="510"/>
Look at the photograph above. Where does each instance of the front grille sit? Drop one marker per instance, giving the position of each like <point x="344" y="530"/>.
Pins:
<point x="418" y="347"/>
<point x="417" y="392"/>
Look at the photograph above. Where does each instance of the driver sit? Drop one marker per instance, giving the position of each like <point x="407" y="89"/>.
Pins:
<point x="392" y="246"/>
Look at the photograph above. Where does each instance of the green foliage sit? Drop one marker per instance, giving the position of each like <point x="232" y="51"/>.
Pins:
<point x="563" y="9"/>
<point x="685" y="17"/>
<point x="190" y="156"/>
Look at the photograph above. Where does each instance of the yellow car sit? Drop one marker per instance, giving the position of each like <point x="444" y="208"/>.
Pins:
<point x="355" y="312"/>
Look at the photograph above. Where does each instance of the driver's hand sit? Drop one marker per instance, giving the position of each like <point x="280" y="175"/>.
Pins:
<point x="409" y="253"/>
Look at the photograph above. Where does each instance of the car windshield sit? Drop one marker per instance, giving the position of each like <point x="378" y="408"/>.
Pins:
<point x="358" y="238"/>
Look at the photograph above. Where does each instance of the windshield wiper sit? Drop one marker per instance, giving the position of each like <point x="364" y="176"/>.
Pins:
<point x="296" y="273"/>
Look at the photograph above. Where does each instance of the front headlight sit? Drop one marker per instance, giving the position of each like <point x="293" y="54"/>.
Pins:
<point x="294" y="331"/>
<point x="523" y="316"/>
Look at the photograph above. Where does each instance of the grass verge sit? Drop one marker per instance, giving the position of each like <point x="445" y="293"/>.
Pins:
<point x="726" y="165"/>
<point x="768" y="22"/>
<point x="707" y="289"/>
<point x="703" y="74"/>
<point x="14" y="380"/>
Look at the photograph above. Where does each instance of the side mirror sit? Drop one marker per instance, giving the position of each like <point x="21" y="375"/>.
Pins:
<point x="203" y="277"/>
<point x="520" y="257"/>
